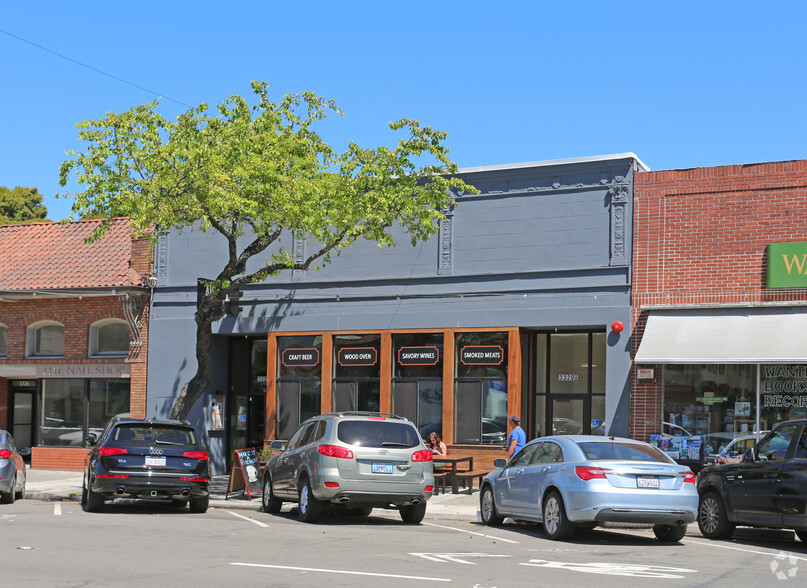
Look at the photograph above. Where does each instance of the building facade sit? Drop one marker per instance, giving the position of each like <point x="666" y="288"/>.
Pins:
<point x="515" y="307"/>
<point x="719" y="303"/>
<point x="73" y="335"/>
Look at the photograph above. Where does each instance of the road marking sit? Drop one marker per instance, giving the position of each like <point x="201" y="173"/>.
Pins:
<point x="612" y="569"/>
<point x="455" y="557"/>
<point x="471" y="532"/>
<point x="722" y="546"/>
<point x="251" y="520"/>
<point x="57" y="509"/>
<point x="326" y="571"/>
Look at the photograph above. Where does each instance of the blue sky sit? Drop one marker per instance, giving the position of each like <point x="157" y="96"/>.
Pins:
<point x="681" y="84"/>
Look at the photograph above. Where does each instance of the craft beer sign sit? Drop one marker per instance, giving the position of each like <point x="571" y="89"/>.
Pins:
<point x="425" y="355"/>
<point x="787" y="265"/>
<point x="482" y="355"/>
<point x="358" y="356"/>
<point x="306" y="357"/>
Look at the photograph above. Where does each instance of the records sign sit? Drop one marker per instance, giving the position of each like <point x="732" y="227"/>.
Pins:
<point x="357" y="356"/>
<point x="300" y="357"/>
<point x="482" y="355"/>
<point x="424" y="355"/>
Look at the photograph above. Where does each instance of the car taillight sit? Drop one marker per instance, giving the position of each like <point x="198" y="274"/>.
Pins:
<point x="200" y="455"/>
<point x="335" y="451"/>
<point x="108" y="451"/>
<point x="428" y="489"/>
<point x="422" y="455"/>
<point x="193" y="479"/>
<point x="690" y="477"/>
<point x="116" y="476"/>
<point x="5" y="454"/>
<point x="589" y="473"/>
<point x="331" y="484"/>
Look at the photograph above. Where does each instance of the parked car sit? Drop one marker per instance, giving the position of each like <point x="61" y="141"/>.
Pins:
<point x="351" y="460"/>
<point x="12" y="469"/>
<point x="736" y="448"/>
<point x="768" y="488"/>
<point x="570" y="481"/>
<point x="151" y="459"/>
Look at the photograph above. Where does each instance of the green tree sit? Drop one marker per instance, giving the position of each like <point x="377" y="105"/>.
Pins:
<point x="257" y="174"/>
<point x="21" y="205"/>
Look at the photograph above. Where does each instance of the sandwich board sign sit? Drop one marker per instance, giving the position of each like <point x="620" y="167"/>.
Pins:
<point x="246" y="473"/>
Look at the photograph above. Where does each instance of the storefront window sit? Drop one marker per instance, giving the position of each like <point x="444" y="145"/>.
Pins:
<point x="3" y="339"/>
<point x="356" y="382"/>
<point x="299" y="388"/>
<point x="417" y="384"/>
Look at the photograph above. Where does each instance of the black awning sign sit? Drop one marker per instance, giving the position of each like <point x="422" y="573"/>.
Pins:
<point x="424" y="355"/>
<point x="308" y="356"/>
<point x="482" y="355"/>
<point x="358" y="356"/>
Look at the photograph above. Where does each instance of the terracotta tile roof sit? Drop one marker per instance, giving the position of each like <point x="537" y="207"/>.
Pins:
<point x="49" y="256"/>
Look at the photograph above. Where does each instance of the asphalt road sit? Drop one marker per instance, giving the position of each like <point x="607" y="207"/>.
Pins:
<point x="142" y="544"/>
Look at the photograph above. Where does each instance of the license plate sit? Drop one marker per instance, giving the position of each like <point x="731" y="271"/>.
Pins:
<point x="647" y="482"/>
<point x="155" y="461"/>
<point x="382" y="468"/>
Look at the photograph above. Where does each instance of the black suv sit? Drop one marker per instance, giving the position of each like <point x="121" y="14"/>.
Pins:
<point x="153" y="459"/>
<point x="768" y="488"/>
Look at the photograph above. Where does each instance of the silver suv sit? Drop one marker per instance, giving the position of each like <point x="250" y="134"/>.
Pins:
<point x="351" y="460"/>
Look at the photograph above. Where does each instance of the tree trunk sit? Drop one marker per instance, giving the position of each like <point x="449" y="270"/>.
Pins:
<point x="196" y="386"/>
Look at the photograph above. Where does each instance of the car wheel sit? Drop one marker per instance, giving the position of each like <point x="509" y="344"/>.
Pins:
<point x="487" y="508"/>
<point x="95" y="501"/>
<point x="802" y="535"/>
<point x="269" y="500"/>
<point x="413" y="513"/>
<point x="9" y="498"/>
<point x="199" y="505"/>
<point x="310" y="508"/>
<point x="713" y="521"/>
<point x="669" y="533"/>
<point x="556" y="525"/>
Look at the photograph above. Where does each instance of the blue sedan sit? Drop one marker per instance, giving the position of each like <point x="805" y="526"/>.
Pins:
<point x="569" y="481"/>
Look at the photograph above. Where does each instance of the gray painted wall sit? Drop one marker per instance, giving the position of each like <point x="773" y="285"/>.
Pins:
<point x="543" y="245"/>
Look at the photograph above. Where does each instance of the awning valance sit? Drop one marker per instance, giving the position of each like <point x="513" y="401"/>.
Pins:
<point x="733" y="335"/>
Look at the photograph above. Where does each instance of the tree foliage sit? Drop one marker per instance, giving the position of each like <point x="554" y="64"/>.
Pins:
<point x="21" y="205"/>
<point x="257" y="174"/>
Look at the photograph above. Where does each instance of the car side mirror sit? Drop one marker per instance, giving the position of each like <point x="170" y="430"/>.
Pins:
<point x="277" y="445"/>
<point x="749" y="454"/>
<point x="92" y="438"/>
<point x="499" y="463"/>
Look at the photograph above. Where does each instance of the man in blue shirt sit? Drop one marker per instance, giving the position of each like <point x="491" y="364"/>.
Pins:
<point x="517" y="438"/>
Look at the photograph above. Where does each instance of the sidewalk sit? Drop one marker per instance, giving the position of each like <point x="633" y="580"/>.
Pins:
<point x="59" y="485"/>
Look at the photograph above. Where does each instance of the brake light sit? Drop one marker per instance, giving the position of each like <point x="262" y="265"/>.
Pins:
<point x="109" y="451"/>
<point x="332" y="484"/>
<point x="422" y="455"/>
<point x="335" y="451"/>
<point x="690" y="477"/>
<point x="5" y="454"/>
<point x="200" y="455"/>
<point x="428" y="489"/>
<point x="116" y="476"/>
<point x="590" y="473"/>
<point x="193" y="479"/>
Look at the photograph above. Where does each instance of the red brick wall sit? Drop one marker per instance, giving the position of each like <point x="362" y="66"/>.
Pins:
<point x="699" y="237"/>
<point x="58" y="458"/>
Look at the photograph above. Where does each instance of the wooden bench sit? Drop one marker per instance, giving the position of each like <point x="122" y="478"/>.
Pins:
<point x="440" y="481"/>
<point x="467" y="478"/>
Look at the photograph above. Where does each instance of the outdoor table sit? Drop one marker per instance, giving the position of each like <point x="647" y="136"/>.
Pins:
<point x="453" y="460"/>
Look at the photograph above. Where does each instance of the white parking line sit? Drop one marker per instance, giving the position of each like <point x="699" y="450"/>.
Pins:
<point x="251" y="520"/>
<point x="733" y="548"/>
<point x="471" y="532"/>
<point x="326" y="571"/>
<point x="57" y="509"/>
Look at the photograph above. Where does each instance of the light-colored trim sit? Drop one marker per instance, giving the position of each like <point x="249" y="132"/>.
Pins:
<point x="551" y="162"/>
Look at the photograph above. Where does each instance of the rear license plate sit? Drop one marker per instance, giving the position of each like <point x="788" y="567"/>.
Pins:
<point x="382" y="468"/>
<point x="155" y="461"/>
<point x="647" y="482"/>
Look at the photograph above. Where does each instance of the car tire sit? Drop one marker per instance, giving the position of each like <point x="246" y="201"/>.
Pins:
<point x="413" y="513"/>
<point x="310" y="508"/>
<point x="487" y="508"/>
<point x="713" y="520"/>
<point x="802" y="535"/>
<point x="95" y="501"/>
<point x="199" y="505"/>
<point x="669" y="533"/>
<point x="270" y="502"/>
<point x="556" y="525"/>
<point x="21" y="491"/>
<point x="9" y="498"/>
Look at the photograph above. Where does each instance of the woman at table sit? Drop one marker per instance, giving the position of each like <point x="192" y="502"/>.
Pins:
<point x="436" y="445"/>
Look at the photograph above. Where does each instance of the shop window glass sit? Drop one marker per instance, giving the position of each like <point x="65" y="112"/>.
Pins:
<point x="417" y="385"/>
<point x="45" y="339"/>
<point x="299" y="387"/>
<point x="109" y="337"/>
<point x="783" y="393"/>
<point x="568" y="363"/>
<point x="356" y="383"/>
<point x="3" y="340"/>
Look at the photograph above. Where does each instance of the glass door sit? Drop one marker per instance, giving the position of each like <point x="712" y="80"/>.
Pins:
<point x="22" y="417"/>
<point x="568" y="414"/>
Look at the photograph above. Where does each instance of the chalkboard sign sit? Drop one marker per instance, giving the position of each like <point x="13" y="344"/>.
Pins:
<point x="245" y="473"/>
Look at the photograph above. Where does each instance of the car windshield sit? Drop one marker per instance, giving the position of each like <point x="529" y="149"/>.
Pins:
<point x="377" y="434"/>
<point x="136" y="434"/>
<point x="622" y="451"/>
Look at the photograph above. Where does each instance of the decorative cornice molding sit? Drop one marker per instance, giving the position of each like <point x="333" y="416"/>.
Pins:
<point x="618" y="201"/>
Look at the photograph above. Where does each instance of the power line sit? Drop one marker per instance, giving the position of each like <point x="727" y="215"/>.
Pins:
<point x="95" y="69"/>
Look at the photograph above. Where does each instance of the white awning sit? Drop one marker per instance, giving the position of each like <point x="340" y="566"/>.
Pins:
<point x="734" y="335"/>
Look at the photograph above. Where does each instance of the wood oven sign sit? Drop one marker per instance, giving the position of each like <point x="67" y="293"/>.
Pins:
<point x="482" y="355"/>
<point x="423" y="355"/>
<point x="357" y="356"/>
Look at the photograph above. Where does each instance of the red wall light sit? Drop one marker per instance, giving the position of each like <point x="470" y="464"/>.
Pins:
<point x="617" y="326"/>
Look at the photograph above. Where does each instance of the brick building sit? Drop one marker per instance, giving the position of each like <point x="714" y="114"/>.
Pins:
<point x="719" y="301"/>
<point x="73" y="334"/>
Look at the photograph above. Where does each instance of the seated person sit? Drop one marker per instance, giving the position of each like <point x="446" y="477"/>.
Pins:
<point x="436" y="445"/>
